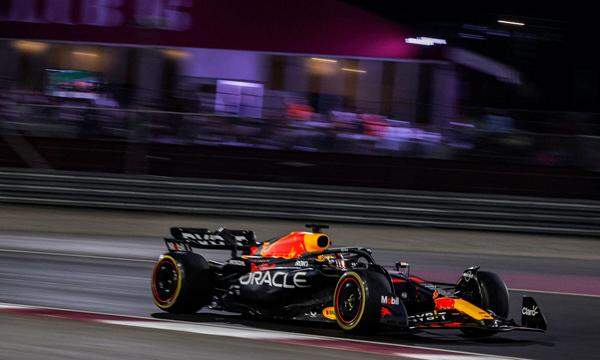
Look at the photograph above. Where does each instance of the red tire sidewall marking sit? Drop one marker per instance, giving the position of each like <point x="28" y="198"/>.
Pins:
<point x="154" y="278"/>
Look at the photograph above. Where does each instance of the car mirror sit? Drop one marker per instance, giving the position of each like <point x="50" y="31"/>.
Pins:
<point x="401" y="265"/>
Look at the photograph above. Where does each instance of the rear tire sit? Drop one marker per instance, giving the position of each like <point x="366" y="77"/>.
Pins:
<point x="491" y="295"/>
<point x="357" y="301"/>
<point x="181" y="283"/>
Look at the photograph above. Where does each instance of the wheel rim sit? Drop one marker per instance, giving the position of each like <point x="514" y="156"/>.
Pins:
<point x="166" y="277"/>
<point x="349" y="300"/>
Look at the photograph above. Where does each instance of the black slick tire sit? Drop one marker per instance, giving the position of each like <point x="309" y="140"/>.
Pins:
<point x="181" y="283"/>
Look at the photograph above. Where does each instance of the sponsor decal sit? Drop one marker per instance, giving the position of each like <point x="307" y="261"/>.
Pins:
<point x="340" y="263"/>
<point x="301" y="263"/>
<point x="279" y="279"/>
<point x="234" y="290"/>
<point x="468" y="275"/>
<point x="530" y="312"/>
<point x="173" y="246"/>
<point x="428" y="316"/>
<point x="385" y="312"/>
<point x="404" y="295"/>
<point x="211" y="239"/>
<point x="390" y="300"/>
<point x="329" y="313"/>
<point x="324" y="258"/>
<point x="436" y="294"/>
<point x="237" y="262"/>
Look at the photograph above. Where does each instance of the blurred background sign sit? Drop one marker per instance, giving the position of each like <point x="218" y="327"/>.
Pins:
<point x="73" y="84"/>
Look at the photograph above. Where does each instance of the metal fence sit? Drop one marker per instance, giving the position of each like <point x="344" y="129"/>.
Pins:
<point x="302" y="202"/>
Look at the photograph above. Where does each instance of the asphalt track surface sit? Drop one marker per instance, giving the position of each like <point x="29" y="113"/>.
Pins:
<point x="111" y="275"/>
<point x="56" y="339"/>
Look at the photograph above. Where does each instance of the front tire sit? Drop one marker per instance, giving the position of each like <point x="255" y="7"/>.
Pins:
<point x="181" y="283"/>
<point x="357" y="299"/>
<point x="491" y="294"/>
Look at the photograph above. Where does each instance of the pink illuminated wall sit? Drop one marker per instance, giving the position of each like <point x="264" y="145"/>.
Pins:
<point x="289" y="26"/>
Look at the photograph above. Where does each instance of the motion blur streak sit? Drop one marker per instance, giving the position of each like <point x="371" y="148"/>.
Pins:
<point x="593" y="284"/>
<point x="517" y="23"/>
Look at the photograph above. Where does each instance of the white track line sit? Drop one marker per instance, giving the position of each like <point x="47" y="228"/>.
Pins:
<point x="152" y="261"/>
<point x="555" y="293"/>
<point x="75" y="255"/>
<point x="204" y="329"/>
<point x="252" y="333"/>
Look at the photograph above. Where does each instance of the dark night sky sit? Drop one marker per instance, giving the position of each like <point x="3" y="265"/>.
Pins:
<point x="577" y="20"/>
<point x="480" y="11"/>
<point x="563" y="73"/>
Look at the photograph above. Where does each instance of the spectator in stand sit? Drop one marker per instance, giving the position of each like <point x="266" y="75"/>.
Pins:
<point x="374" y="125"/>
<point x="297" y="111"/>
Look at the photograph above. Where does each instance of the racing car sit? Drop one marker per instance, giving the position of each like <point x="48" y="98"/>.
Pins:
<point x="301" y="276"/>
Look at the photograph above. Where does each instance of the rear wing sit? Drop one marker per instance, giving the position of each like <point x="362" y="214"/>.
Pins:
<point x="184" y="239"/>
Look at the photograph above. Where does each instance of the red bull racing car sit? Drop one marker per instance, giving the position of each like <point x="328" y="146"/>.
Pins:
<point x="301" y="276"/>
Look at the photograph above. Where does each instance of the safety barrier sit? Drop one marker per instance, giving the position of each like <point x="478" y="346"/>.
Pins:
<point x="302" y="202"/>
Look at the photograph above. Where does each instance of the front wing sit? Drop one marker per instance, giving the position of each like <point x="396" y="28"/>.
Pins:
<point x="455" y="313"/>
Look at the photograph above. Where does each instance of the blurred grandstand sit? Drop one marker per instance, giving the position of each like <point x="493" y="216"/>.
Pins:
<point x="351" y="99"/>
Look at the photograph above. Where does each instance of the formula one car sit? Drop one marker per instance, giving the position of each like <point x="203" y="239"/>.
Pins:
<point x="301" y="276"/>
